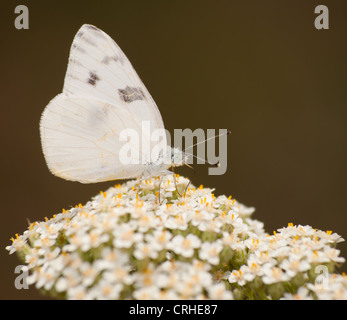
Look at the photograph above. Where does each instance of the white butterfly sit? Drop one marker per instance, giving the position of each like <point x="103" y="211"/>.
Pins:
<point x="102" y="96"/>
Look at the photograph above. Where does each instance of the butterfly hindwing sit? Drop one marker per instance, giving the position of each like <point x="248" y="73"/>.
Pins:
<point x="80" y="139"/>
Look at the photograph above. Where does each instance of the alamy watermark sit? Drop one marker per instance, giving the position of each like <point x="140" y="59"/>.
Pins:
<point x="322" y="20"/>
<point x="21" y="281"/>
<point x="322" y="279"/>
<point x="22" y="19"/>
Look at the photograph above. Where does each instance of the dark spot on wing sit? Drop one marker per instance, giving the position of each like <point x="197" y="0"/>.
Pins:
<point x="108" y="59"/>
<point x="90" y="42"/>
<point x="97" y="32"/>
<point x="106" y="109"/>
<point x="92" y="27"/>
<point x="76" y="62"/>
<point x="93" y="79"/>
<point x="78" y="48"/>
<point x="130" y="94"/>
<point x="121" y="60"/>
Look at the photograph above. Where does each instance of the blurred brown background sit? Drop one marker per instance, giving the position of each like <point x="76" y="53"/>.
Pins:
<point x="259" y="68"/>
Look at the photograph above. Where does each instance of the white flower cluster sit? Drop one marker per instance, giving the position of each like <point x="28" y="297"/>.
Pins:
<point x="126" y="244"/>
<point x="293" y="258"/>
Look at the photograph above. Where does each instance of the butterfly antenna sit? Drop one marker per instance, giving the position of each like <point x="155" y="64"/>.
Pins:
<point x="189" y="166"/>
<point x="217" y="164"/>
<point x="214" y="137"/>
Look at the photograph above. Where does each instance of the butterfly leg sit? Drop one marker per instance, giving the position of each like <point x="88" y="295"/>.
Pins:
<point x="143" y="177"/>
<point x="160" y="182"/>
<point x="165" y="173"/>
<point x="174" y="177"/>
<point x="138" y="186"/>
<point x="185" y="191"/>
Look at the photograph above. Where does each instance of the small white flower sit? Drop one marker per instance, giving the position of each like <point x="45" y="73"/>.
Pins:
<point x="242" y="210"/>
<point x="253" y="244"/>
<point x="338" y="294"/>
<point x="147" y="293"/>
<point x="159" y="240"/>
<point x="277" y="252"/>
<point x="147" y="222"/>
<point x="211" y="226"/>
<point x="111" y="258"/>
<point x="275" y="244"/>
<point x="302" y="294"/>
<point x="210" y="252"/>
<point x="218" y="292"/>
<point x="147" y="278"/>
<point x="238" y="276"/>
<point x="105" y="290"/>
<point x="44" y="242"/>
<point x="70" y="278"/>
<point x="230" y="239"/>
<point x="185" y="245"/>
<point x="125" y="236"/>
<point x="253" y="269"/>
<point x="294" y="266"/>
<point x="333" y="255"/>
<point x="199" y="217"/>
<point x="118" y="274"/>
<point x="273" y="275"/>
<point x="50" y="230"/>
<point x="198" y="266"/>
<point x="78" y="293"/>
<point x="190" y="286"/>
<point x="46" y="278"/>
<point x="262" y="257"/>
<point x="93" y="239"/>
<point x="256" y="226"/>
<point x="167" y="280"/>
<point x="167" y="295"/>
<point x="76" y="241"/>
<point x="51" y="254"/>
<point x="239" y="246"/>
<point x="298" y="251"/>
<point x="329" y="236"/>
<point x="317" y="257"/>
<point x="89" y="273"/>
<point x="145" y="250"/>
<point x="179" y="222"/>
<point x="33" y="259"/>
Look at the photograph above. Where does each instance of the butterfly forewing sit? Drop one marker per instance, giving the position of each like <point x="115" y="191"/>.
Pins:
<point x="98" y="68"/>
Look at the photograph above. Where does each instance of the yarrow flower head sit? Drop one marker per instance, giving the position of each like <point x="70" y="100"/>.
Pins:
<point x="126" y="244"/>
